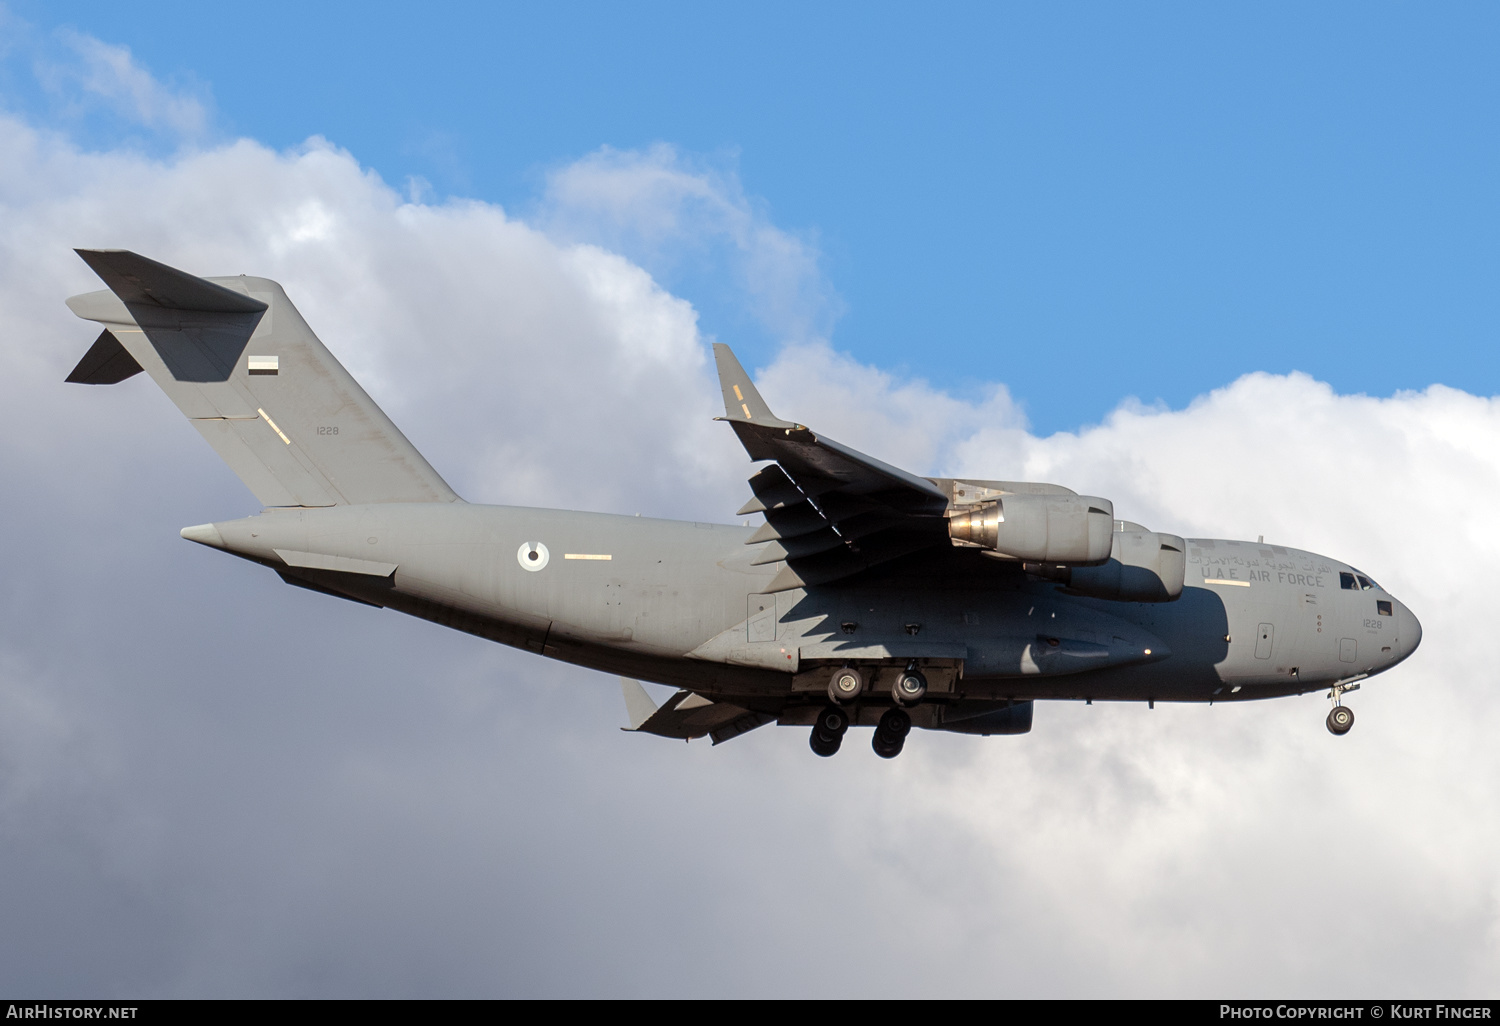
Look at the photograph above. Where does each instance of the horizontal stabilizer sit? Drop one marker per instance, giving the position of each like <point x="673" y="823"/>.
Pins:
<point x="106" y="363"/>
<point x="137" y="279"/>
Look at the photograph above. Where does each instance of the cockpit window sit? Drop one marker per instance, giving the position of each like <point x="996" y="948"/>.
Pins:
<point x="1364" y="582"/>
<point x="1346" y="581"/>
<point x="1382" y="607"/>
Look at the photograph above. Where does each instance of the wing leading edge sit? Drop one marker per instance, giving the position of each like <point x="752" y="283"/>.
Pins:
<point x="830" y="511"/>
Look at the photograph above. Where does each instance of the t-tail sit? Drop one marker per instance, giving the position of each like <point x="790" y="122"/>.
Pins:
<point x="238" y="359"/>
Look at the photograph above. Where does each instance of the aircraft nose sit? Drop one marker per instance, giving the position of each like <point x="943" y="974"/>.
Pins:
<point x="1408" y="632"/>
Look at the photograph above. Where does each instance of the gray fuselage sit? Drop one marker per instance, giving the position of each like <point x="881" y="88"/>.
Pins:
<point x="868" y="595"/>
<point x="680" y="603"/>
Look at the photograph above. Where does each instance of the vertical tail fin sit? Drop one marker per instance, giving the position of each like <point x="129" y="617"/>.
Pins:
<point x="238" y="359"/>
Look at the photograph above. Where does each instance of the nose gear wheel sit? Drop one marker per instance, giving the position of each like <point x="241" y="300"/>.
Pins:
<point x="1341" y="717"/>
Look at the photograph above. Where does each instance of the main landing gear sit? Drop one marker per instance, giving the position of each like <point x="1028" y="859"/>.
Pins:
<point x="1341" y="717"/>
<point x="890" y="734"/>
<point x="828" y="731"/>
<point x="846" y="686"/>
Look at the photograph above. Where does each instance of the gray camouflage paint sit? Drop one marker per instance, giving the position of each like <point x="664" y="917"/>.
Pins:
<point x="670" y="605"/>
<point x="354" y="510"/>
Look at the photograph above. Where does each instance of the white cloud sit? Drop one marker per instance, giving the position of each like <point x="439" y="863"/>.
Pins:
<point x="213" y="784"/>
<point x="907" y="423"/>
<point x="1243" y="840"/>
<point x="107" y="73"/>
<point x="670" y="209"/>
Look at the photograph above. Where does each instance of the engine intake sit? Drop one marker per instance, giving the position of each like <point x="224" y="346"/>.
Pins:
<point x="1069" y="529"/>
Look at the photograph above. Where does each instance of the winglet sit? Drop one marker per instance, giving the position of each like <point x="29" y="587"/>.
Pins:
<point x="638" y="705"/>
<point x="741" y="401"/>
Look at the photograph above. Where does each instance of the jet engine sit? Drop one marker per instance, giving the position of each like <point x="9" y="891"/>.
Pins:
<point x="1066" y="529"/>
<point x="1143" y="566"/>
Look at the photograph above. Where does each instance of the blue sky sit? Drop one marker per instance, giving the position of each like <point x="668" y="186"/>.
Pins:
<point x="1085" y="202"/>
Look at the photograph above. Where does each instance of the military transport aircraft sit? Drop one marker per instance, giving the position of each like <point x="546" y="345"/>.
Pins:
<point x="868" y="596"/>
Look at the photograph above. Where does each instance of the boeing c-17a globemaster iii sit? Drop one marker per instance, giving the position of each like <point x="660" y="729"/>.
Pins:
<point x="868" y="595"/>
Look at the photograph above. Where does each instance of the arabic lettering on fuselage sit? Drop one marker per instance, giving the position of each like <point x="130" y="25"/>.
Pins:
<point x="1296" y="573"/>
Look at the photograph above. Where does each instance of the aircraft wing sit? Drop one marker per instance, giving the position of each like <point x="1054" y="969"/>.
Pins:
<point x="687" y="715"/>
<point x="830" y="511"/>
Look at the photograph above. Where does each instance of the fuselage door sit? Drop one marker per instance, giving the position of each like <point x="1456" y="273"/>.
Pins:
<point x="1263" y="641"/>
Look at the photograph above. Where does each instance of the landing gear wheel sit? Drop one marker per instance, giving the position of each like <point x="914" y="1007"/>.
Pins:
<point x="890" y="735"/>
<point x="823" y="746"/>
<point x="1340" y="719"/>
<point x="909" y="689"/>
<point x="832" y="721"/>
<point x="828" y="731"/>
<point x="845" y="685"/>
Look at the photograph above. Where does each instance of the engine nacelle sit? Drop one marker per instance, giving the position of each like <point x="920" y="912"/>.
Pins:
<point x="1144" y="566"/>
<point x="1071" y="529"/>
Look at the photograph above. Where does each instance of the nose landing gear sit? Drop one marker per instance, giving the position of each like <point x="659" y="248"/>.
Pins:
<point x="1341" y="717"/>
